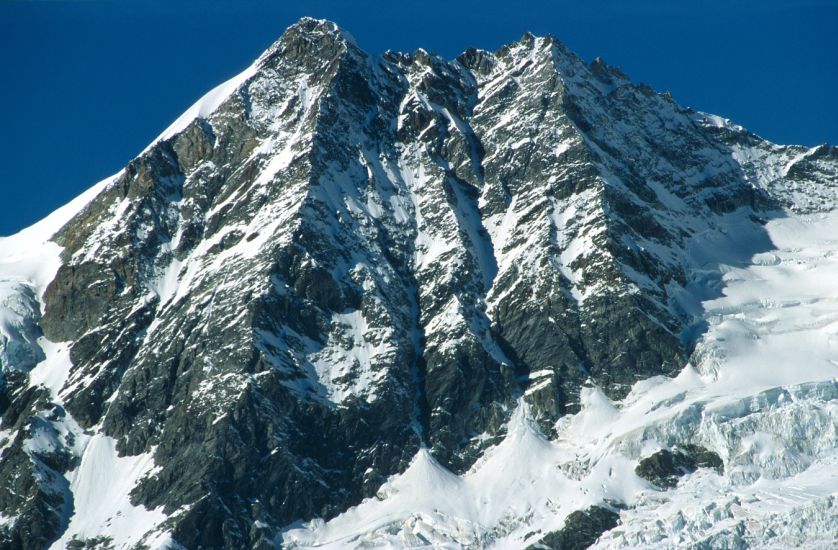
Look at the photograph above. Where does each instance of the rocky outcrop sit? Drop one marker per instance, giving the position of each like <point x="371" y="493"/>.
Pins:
<point x="665" y="467"/>
<point x="582" y="528"/>
<point x="348" y="257"/>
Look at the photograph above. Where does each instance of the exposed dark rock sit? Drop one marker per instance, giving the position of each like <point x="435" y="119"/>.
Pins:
<point x="581" y="529"/>
<point x="354" y="256"/>
<point x="665" y="467"/>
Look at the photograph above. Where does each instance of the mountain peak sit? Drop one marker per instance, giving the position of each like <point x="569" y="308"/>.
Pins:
<point x="337" y="269"/>
<point x="319" y="27"/>
<point x="311" y="37"/>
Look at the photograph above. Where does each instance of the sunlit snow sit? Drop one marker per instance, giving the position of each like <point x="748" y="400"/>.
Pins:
<point x="771" y="349"/>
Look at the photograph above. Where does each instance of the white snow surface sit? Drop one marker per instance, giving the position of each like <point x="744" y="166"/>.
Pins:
<point x="101" y="487"/>
<point x="762" y="390"/>
<point x="207" y="105"/>
<point x="29" y="256"/>
<point x="54" y="370"/>
<point x="102" y="482"/>
<point x="28" y="262"/>
<point x="763" y="394"/>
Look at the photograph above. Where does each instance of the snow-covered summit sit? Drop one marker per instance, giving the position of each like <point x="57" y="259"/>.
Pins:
<point x="542" y="298"/>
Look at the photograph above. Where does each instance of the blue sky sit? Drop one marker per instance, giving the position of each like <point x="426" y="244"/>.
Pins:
<point x="86" y="84"/>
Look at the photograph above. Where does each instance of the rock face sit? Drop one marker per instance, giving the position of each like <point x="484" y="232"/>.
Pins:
<point x="664" y="467"/>
<point x="335" y="259"/>
<point x="581" y="530"/>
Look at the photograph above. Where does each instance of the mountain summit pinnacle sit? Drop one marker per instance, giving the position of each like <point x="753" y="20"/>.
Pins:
<point x="350" y="300"/>
<point x="309" y="35"/>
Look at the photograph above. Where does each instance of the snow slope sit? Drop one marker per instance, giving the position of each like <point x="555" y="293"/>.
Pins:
<point x="29" y="257"/>
<point x="763" y="394"/>
<point x="28" y="262"/>
<point x="334" y="259"/>
<point x="101" y="487"/>
<point x="103" y="480"/>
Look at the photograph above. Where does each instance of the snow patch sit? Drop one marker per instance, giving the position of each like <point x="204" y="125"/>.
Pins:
<point x="101" y="486"/>
<point x="207" y="105"/>
<point x="763" y="395"/>
<point x="29" y="256"/>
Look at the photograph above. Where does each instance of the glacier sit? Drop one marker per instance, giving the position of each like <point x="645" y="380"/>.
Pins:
<point x="352" y="301"/>
<point x="761" y="390"/>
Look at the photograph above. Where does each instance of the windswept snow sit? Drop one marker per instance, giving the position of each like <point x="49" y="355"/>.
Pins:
<point x="777" y="323"/>
<point x="207" y="105"/>
<point x="53" y="371"/>
<point x="101" y="487"/>
<point x="29" y="260"/>
<point x="763" y="395"/>
<point x="364" y="265"/>
<point x="29" y="256"/>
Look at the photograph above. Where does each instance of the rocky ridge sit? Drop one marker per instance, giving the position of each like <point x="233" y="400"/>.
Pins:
<point x="336" y="261"/>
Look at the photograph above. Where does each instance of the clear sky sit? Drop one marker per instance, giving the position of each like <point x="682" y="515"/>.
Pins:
<point x="86" y="84"/>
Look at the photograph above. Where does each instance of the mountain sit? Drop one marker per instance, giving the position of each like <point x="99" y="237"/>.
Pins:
<point x="507" y="300"/>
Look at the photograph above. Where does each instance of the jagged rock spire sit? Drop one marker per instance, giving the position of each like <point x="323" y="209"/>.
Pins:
<point x="335" y="260"/>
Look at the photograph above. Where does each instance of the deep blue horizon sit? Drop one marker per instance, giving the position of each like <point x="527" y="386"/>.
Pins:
<point x="89" y="83"/>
